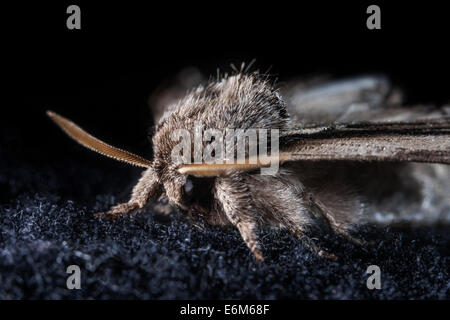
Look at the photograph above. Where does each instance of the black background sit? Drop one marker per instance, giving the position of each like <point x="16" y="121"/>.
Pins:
<point x="101" y="76"/>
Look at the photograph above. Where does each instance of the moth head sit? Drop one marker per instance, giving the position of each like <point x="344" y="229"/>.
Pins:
<point x="188" y="192"/>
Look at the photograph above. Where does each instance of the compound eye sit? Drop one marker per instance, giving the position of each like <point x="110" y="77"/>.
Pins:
<point x="189" y="187"/>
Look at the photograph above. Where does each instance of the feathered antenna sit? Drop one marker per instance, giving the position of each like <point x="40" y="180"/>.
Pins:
<point x="90" y="142"/>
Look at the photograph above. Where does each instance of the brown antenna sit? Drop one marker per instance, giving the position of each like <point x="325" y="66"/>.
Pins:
<point x="88" y="141"/>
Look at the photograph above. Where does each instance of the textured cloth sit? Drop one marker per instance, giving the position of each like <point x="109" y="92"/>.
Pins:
<point x="47" y="224"/>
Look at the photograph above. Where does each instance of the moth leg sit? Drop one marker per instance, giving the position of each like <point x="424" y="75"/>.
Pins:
<point x="146" y="188"/>
<point x="237" y="204"/>
<point x="306" y="241"/>
<point x="339" y="228"/>
<point x="310" y="245"/>
<point x="247" y="229"/>
<point x="343" y="232"/>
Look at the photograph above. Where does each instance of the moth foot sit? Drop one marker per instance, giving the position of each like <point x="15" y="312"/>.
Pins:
<point x="105" y="215"/>
<point x="118" y="211"/>
<point x="258" y="256"/>
<point x="327" y="255"/>
<point x="310" y="245"/>
<point x="248" y="233"/>
<point x="357" y="241"/>
<point x="352" y="239"/>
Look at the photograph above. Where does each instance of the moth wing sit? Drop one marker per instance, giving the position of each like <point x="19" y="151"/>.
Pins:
<point x="416" y="141"/>
<point x="395" y="114"/>
<point x="369" y="98"/>
<point x="323" y="101"/>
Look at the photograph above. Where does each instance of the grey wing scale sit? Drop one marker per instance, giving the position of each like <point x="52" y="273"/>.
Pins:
<point x="349" y="123"/>
<point x="366" y="98"/>
<point x="321" y="101"/>
<point x="415" y="141"/>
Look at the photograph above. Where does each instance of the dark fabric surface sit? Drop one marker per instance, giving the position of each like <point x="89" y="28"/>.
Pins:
<point x="46" y="224"/>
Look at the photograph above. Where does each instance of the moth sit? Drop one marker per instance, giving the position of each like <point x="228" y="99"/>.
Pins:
<point x="336" y="139"/>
